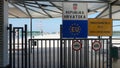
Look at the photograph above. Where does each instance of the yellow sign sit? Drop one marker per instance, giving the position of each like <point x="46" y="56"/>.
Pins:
<point x="100" y="27"/>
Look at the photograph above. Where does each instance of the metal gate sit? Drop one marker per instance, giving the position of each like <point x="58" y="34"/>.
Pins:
<point x="59" y="53"/>
<point x="44" y="53"/>
<point x="17" y="47"/>
<point x="86" y="57"/>
<point x="55" y="53"/>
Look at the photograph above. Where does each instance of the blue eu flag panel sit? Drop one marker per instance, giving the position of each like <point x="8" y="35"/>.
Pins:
<point x="75" y="29"/>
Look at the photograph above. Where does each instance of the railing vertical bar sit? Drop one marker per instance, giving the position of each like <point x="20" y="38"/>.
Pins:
<point x="104" y="53"/>
<point x="18" y="49"/>
<point x="14" y="64"/>
<point x="61" y="60"/>
<point x="58" y="53"/>
<point x="99" y="63"/>
<point x="88" y="53"/>
<point x="10" y="45"/>
<point x="95" y="59"/>
<point x="86" y="44"/>
<point x="84" y="53"/>
<point x="69" y="54"/>
<point x="103" y="56"/>
<point x="29" y="53"/>
<point x="49" y="53"/>
<point x="25" y="46"/>
<point x="91" y="56"/>
<point x="45" y="53"/>
<point x="22" y="49"/>
<point x="65" y="54"/>
<point x="73" y="58"/>
<point x="33" y="45"/>
<point x="54" y="54"/>
<point x="81" y="58"/>
<point x="41" y="53"/>
<point x="14" y="48"/>
<point x="107" y="51"/>
<point x="37" y="53"/>
<point x="77" y="58"/>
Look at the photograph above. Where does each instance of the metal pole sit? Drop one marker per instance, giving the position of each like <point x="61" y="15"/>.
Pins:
<point x="30" y="19"/>
<point x="61" y="46"/>
<point x="31" y="34"/>
<point x="30" y="28"/>
<point x="87" y="1"/>
<point x="110" y="37"/>
<point x="25" y="46"/>
<point x="10" y="45"/>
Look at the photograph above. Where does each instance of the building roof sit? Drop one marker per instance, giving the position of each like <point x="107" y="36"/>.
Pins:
<point x="53" y="8"/>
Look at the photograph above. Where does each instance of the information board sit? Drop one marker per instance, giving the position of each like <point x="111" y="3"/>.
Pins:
<point x="75" y="21"/>
<point x="100" y="27"/>
<point x="75" y="29"/>
<point x="75" y="11"/>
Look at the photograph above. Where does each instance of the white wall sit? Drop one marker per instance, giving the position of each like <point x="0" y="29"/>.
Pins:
<point x="3" y="33"/>
<point x="5" y="36"/>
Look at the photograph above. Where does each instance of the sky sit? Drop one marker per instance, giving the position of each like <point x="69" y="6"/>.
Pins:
<point x="49" y="24"/>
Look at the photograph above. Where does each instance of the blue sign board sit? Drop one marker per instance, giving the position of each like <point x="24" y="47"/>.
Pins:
<point x="75" y="29"/>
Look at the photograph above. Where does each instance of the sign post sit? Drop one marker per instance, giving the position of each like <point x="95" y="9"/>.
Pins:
<point x="75" y="24"/>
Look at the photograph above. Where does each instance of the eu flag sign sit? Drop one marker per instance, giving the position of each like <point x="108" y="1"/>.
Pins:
<point x="75" y="21"/>
<point x="75" y="29"/>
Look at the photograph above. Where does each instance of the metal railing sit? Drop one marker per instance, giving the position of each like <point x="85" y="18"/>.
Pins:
<point x="45" y="53"/>
<point x="55" y="53"/>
